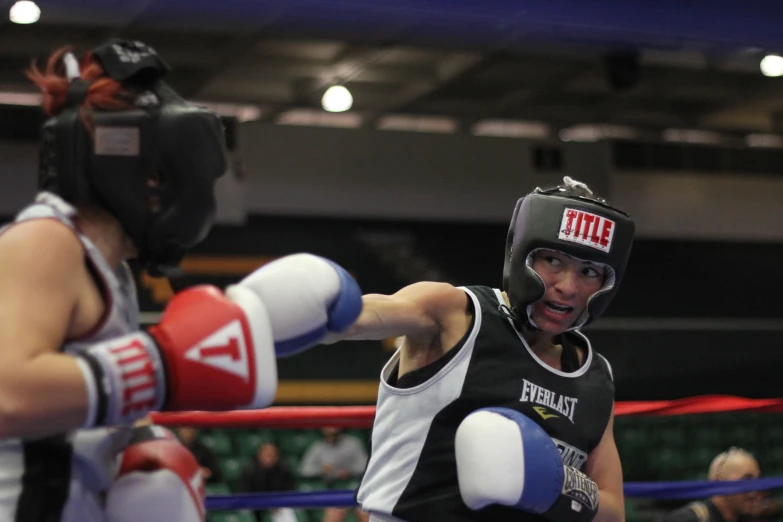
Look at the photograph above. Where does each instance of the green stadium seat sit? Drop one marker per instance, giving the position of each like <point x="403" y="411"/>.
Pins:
<point x="362" y="435"/>
<point x="296" y="442"/>
<point x="668" y="464"/>
<point x="217" y="489"/>
<point x="671" y="437"/>
<point x="709" y="437"/>
<point x="771" y="435"/>
<point x="632" y="444"/>
<point x="631" y="511"/>
<point x="218" y="441"/>
<point x="314" y="484"/>
<point x="292" y="462"/>
<point x="634" y="438"/>
<point x="346" y="484"/>
<point x="771" y="460"/>
<point x="231" y="516"/>
<point x="248" y="442"/>
<point x="232" y="469"/>
<point x="743" y="436"/>
<point x="698" y="460"/>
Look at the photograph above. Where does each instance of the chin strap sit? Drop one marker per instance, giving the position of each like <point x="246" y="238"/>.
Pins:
<point x="520" y="321"/>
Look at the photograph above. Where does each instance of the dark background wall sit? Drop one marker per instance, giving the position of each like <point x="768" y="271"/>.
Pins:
<point x="691" y="318"/>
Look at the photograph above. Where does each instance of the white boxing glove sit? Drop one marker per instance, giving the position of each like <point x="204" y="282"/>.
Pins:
<point x="505" y="458"/>
<point x="306" y="297"/>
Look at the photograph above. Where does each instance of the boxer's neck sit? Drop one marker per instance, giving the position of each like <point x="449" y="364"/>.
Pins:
<point x="546" y="349"/>
<point x="540" y="342"/>
<point x="107" y="234"/>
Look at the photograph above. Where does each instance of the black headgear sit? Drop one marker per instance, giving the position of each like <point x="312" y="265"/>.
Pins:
<point x="152" y="166"/>
<point x="566" y="218"/>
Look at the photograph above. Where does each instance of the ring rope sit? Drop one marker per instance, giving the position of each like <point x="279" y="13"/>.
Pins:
<point x="308" y="417"/>
<point x="679" y="490"/>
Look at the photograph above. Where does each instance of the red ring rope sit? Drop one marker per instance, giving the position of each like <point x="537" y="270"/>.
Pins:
<point x="362" y="416"/>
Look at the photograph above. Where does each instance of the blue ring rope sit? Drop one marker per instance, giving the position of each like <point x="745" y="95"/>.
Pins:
<point x="697" y="489"/>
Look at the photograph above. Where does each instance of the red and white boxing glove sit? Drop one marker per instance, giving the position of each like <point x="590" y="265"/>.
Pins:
<point x="216" y="352"/>
<point x="159" y="480"/>
<point x="208" y="353"/>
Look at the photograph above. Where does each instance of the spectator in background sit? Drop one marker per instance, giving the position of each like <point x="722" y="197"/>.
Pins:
<point x="733" y="464"/>
<point x="267" y="474"/>
<point x="208" y="460"/>
<point x="338" y="458"/>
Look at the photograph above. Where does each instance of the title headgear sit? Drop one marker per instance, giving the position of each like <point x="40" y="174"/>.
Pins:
<point x="569" y="219"/>
<point x="152" y="166"/>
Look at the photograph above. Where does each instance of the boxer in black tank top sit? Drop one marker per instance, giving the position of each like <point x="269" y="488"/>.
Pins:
<point x="519" y="348"/>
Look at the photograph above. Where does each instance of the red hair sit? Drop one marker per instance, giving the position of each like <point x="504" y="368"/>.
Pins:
<point x="103" y="92"/>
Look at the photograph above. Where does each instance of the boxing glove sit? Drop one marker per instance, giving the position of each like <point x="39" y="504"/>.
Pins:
<point x="505" y="458"/>
<point x="208" y="352"/>
<point x="307" y="297"/>
<point x="158" y="480"/>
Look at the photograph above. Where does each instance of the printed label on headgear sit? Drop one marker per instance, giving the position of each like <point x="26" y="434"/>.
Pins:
<point x="587" y="229"/>
<point x="117" y="141"/>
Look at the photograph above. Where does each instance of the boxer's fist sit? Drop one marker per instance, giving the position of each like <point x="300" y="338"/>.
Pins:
<point x="506" y="458"/>
<point x="218" y="351"/>
<point x="159" y="480"/>
<point x="209" y="352"/>
<point x="306" y="297"/>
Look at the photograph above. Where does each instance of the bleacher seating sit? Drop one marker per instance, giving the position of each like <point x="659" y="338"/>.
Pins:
<point x="652" y="448"/>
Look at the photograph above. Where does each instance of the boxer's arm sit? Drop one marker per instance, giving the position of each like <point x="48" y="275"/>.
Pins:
<point x="604" y="467"/>
<point x="41" y="391"/>
<point x="418" y="311"/>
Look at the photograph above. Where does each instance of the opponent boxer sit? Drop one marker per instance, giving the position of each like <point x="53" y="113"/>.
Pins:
<point x="128" y="171"/>
<point x="496" y="407"/>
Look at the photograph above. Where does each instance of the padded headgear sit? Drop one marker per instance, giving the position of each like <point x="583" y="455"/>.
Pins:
<point x="152" y="166"/>
<point x="569" y="219"/>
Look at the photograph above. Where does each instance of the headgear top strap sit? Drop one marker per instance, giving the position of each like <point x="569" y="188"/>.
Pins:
<point x="134" y="62"/>
<point x="572" y="183"/>
<point x="76" y="94"/>
<point x="77" y="91"/>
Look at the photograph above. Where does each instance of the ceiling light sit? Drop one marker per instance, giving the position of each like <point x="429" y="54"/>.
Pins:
<point x="28" y="99"/>
<point x="24" y="12"/>
<point x="692" y="136"/>
<point x="412" y="123"/>
<point x="591" y="133"/>
<point x="314" y="117"/>
<point x="337" y="99"/>
<point x="772" y="65"/>
<point x="763" y="140"/>
<point x="511" y="129"/>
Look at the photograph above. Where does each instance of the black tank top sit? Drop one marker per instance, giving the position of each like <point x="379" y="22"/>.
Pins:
<point x="491" y="366"/>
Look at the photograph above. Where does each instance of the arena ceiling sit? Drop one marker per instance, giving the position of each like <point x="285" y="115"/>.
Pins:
<point x="460" y="66"/>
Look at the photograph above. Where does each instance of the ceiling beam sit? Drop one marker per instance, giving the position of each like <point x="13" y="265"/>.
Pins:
<point x="446" y="71"/>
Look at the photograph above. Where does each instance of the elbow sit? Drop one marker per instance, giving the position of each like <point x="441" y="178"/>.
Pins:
<point x="611" y="507"/>
<point x="11" y="415"/>
<point x="16" y="402"/>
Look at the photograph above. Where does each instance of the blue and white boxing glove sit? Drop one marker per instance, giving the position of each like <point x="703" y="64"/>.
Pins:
<point x="505" y="458"/>
<point x="306" y="297"/>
